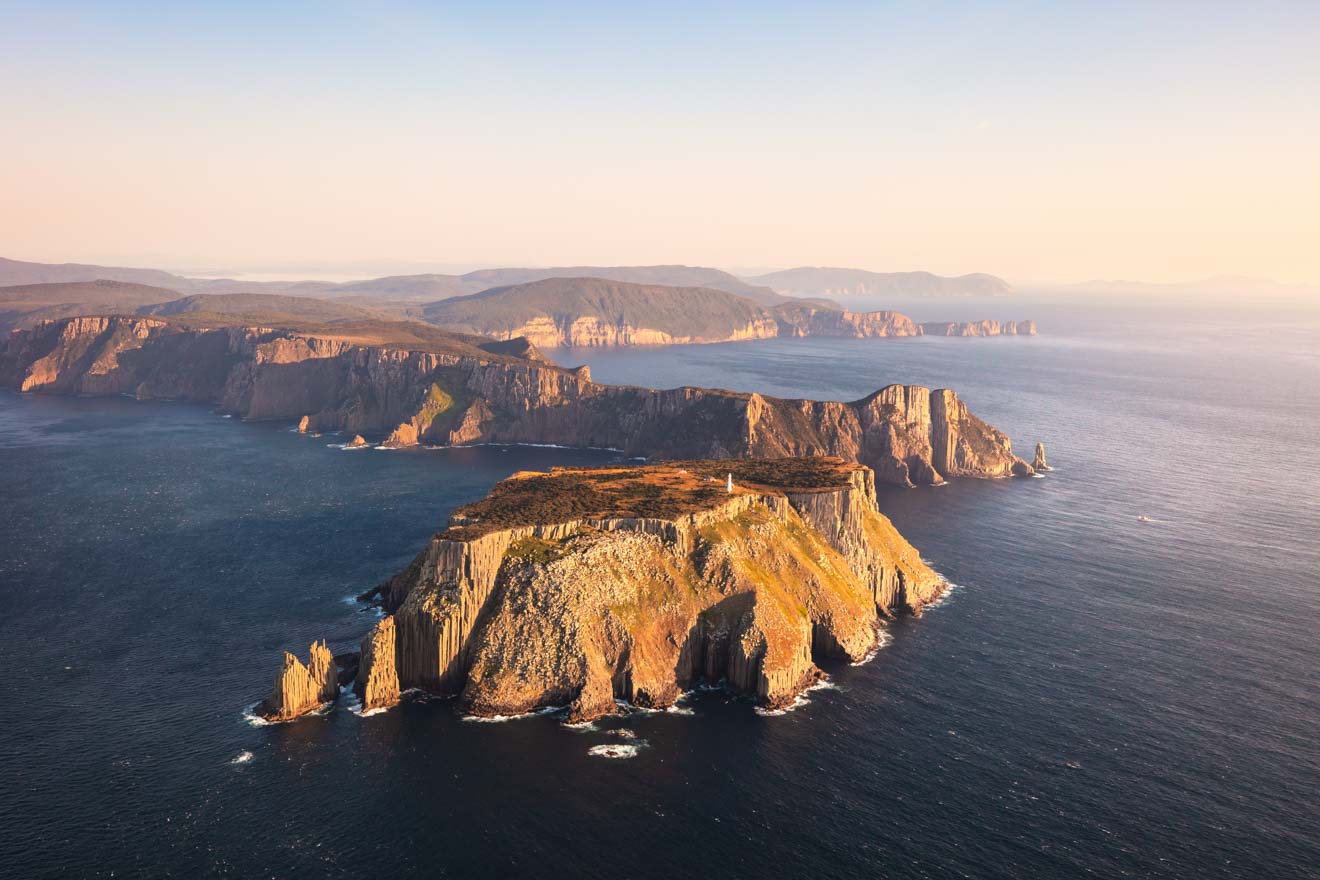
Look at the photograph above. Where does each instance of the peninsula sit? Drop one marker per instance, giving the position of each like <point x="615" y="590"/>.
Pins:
<point x="579" y="587"/>
<point x="404" y="384"/>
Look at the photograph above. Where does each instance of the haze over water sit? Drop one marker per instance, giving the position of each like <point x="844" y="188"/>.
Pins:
<point x="1097" y="696"/>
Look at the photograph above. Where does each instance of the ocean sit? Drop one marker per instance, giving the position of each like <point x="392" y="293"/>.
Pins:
<point x="1096" y="696"/>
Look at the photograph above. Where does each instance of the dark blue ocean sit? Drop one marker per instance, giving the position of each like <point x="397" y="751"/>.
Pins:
<point x="1097" y="696"/>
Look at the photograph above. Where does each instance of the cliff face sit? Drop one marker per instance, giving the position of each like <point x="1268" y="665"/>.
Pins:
<point x="978" y="328"/>
<point x="801" y="320"/>
<point x="637" y="599"/>
<point x="795" y="322"/>
<point x="908" y="434"/>
<point x="549" y="331"/>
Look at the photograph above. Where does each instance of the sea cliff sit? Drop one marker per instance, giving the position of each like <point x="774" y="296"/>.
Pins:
<point x="465" y="390"/>
<point x="579" y="587"/>
<point x="794" y="321"/>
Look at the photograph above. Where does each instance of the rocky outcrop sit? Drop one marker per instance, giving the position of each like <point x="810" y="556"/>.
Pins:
<point x="304" y="424"/>
<point x="1039" y="463"/>
<point x="978" y="328"/>
<point x="358" y="442"/>
<point x="301" y="689"/>
<point x="462" y="394"/>
<point x="801" y="320"/>
<point x="579" y="587"/>
<point x="377" y="682"/>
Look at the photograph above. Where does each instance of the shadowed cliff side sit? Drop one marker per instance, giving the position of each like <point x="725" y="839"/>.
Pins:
<point x="448" y="389"/>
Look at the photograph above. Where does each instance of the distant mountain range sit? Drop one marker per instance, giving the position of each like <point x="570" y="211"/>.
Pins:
<point x="552" y="310"/>
<point x="819" y="281"/>
<point x="409" y="288"/>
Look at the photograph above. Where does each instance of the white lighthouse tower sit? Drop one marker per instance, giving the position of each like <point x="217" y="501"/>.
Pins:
<point x="730" y="485"/>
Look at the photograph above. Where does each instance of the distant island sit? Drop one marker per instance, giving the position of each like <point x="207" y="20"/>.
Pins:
<point x="579" y="587"/>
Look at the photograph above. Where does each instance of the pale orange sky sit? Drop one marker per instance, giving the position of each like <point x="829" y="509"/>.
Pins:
<point x="1026" y="142"/>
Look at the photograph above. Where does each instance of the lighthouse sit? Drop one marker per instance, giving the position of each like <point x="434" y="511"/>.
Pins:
<point x="730" y="486"/>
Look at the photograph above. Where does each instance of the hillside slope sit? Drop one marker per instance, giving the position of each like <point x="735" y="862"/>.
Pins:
<point x="595" y="311"/>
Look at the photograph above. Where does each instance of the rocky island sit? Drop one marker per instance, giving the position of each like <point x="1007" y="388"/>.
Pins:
<point x="579" y="587"/>
<point x="406" y="384"/>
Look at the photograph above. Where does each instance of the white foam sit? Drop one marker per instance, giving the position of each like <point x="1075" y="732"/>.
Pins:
<point x="627" y="708"/>
<point x="799" y="701"/>
<point x="582" y="726"/>
<point x="242" y="758"/>
<point x="251" y="717"/>
<point x="883" y="640"/>
<point x="949" y="587"/>
<point x="500" y="719"/>
<point x="613" y="751"/>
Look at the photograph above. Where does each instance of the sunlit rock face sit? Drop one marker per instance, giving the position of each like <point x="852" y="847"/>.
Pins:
<point x="459" y="390"/>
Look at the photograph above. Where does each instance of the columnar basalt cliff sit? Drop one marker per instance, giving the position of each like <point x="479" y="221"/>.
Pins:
<point x="301" y="689"/>
<point x="579" y="587"/>
<point x="462" y="390"/>
<point x="978" y="328"/>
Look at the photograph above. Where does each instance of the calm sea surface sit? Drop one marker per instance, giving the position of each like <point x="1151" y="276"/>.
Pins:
<point x="1097" y="697"/>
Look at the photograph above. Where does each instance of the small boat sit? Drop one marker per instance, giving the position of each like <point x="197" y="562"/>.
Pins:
<point x="1144" y="518"/>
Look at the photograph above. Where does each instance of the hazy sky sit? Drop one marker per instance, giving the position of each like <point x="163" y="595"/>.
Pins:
<point x="1153" y="140"/>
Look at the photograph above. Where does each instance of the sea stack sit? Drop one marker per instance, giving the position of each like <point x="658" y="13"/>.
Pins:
<point x="301" y="689"/>
<point x="377" y="683"/>
<point x="304" y="424"/>
<point x="358" y="442"/>
<point x="1039" y="463"/>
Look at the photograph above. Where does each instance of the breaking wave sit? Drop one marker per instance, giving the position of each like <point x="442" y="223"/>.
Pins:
<point x="614" y="750"/>
<point x="799" y="701"/>
<point x="883" y="640"/>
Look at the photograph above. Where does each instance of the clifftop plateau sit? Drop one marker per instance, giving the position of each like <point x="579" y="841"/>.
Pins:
<point x="578" y="587"/>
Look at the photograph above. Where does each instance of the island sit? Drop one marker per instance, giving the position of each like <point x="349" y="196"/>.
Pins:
<point x="581" y="587"/>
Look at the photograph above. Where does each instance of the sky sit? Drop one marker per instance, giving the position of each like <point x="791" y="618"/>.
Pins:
<point x="1157" y="141"/>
